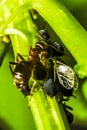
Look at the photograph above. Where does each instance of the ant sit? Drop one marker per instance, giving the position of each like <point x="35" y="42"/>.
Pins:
<point x="23" y="70"/>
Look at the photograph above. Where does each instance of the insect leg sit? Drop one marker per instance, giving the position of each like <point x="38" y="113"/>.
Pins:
<point x="67" y="107"/>
<point x="11" y="63"/>
<point x="68" y="114"/>
<point x="31" y="92"/>
<point x="54" y="72"/>
<point x="19" y="56"/>
<point x="32" y="89"/>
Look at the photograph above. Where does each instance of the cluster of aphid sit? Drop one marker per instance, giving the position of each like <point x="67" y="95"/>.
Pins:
<point x="43" y="61"/>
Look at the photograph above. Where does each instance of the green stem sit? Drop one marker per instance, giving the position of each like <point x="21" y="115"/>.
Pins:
<point x="47" y="115"/>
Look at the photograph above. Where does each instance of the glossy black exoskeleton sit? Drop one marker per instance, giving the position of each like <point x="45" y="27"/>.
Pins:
<point x="43" y="34"/>
<point x="52" y="89"/>
<point x="65" y="81"/>
<point x="55" y="49"/>
<point x="65" y="78"/>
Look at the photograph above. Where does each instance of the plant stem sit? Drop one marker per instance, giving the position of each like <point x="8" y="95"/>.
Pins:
<point x="47" y="113"/>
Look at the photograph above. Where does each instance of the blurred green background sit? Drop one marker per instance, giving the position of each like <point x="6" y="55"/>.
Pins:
<point x="79" y="8"/>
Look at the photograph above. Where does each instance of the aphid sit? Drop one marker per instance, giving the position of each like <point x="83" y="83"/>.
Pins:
<point x="52" y="89"/>
<point x="54" y="49"/>
<point x="64" y="81"/>
<point x="65" y="77"/>
<point x="43" y="35"/>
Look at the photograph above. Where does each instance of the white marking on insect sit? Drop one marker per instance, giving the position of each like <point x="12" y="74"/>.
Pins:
<point x="66" y="75"/>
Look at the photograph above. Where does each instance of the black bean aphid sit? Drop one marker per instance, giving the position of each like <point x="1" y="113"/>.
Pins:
<point x="65" y="80"/>
<point x="66" y="76"/>
<point x="44" y="35"/>
<point x="55" y="49"/>
<point x="51" y="88"/>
